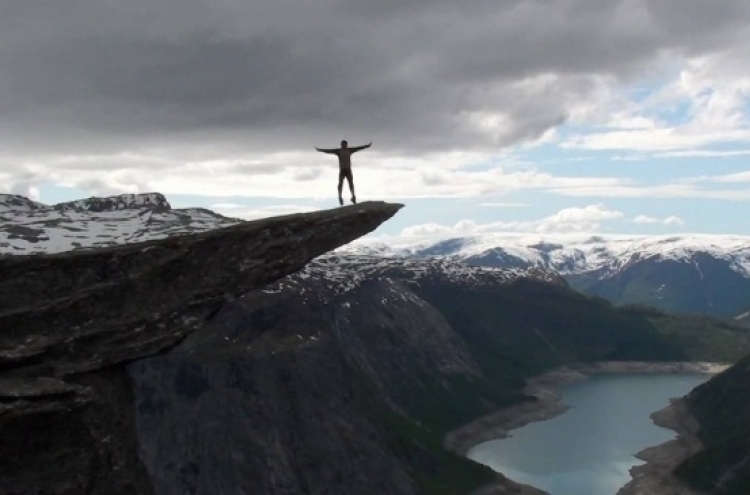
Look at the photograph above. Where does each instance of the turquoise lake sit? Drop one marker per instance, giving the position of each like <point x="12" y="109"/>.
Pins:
<point x="590" y="448"/>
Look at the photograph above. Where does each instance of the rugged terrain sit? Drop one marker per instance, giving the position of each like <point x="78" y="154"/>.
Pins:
<point x="28" y="227"/>
<point x="71" y="321"/>
<point x="345" y="377"/>
<point x="689" y="274"/>
<point x="722" y="408"/>
<point x="342" y="377"/>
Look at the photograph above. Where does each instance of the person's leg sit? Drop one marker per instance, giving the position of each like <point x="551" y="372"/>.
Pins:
<point x="341" y="186"/>
<point x="350" y="179"/>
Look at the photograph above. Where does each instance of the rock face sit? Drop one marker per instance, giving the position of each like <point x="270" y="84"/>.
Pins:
<point x="155" y="201"/>
<point x="295" y="389"/>
<point x="14" y="202"/>
<point x="701" y="284"/>
<point x="344" y="377"/>
<point x="69" y="322"/>
<point x="722" y="408"/>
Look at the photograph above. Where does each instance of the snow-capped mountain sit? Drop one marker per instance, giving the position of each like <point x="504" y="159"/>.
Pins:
<point x="686" y="274"/>
<point x="14" y="202"/>
<point x="121" y="202"/>
<point x="342" y="272"/>
<point x="28" y="227"/>
<point x="572" y="254"/>
<point x="698" y="274"/>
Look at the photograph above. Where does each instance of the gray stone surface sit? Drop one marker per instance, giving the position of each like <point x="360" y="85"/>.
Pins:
<point x="69" y="322"/>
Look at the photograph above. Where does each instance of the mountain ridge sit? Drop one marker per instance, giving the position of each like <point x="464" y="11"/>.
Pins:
<point x="28" y="227"/>
<point x="691" y="274"/>
<point x="571" y="253"/>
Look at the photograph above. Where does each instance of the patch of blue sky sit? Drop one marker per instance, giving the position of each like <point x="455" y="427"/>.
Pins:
<point x="552" y="154"/>
<point x="50" y="193"/>
<point x="645" y="166"/>
<point x="704" y="216"/>
<point x="709" y="216"/>
<point x="648" y="169"/>
<point x="666" y="167"/>
<point x="250" y="202"/>
<point x="674" y="114"/>
<point x="503" y="160"/>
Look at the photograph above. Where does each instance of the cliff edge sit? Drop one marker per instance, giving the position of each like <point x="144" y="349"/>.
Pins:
<point x="70" y="321"/>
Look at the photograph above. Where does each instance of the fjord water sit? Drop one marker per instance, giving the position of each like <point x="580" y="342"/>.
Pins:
<point x="590" y="448"/>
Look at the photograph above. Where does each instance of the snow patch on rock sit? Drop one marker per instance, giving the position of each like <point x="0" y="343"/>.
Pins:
<point x="28" y="227"/>
<point x="570" y="254"/>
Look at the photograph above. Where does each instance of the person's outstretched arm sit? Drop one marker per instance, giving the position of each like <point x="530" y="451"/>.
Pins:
<point x="359" y="148"/>
<point x="333" y="151"/>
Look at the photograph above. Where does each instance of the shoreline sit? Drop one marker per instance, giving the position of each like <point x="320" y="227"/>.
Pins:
<point x="659" y="460"/>
<point x="655" y="475"/>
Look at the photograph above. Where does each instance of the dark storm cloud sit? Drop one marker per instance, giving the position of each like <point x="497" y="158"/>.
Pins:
<point x="83" y="74"/>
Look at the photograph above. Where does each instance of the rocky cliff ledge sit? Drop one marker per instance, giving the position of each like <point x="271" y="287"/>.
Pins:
<point x="69" y="322"/>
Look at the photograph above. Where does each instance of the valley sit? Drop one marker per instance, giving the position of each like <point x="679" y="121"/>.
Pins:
<point x="351" y="373"/>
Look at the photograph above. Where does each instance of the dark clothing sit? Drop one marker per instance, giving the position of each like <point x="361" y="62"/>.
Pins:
<point x="344" y="154"/>
<point x="345" y="166"/>
<point x="346" y="173"/>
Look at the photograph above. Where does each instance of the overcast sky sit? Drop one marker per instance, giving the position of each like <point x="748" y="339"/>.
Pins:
<point x="627" y="116"/>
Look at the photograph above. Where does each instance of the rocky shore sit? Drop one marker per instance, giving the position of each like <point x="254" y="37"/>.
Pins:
<point x="545" y="389"/>
<point x="654" y="477"/>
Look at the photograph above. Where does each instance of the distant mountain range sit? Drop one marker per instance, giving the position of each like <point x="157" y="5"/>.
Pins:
<point x="690" y="274"/>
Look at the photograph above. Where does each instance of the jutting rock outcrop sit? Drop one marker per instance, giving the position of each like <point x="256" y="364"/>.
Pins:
<point x="70" y="321"/>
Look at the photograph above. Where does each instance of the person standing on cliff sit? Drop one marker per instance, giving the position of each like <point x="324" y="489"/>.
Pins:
<point x="345" y="165"/>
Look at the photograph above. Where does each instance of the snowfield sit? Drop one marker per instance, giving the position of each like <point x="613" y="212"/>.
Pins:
<point x="27" y="227"/>
<point x="570" y="254"/>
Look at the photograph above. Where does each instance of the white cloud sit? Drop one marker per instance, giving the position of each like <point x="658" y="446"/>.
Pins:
<point x="300" y="175"/>
<point x="645" y="219"/>
<point x="675" y="190"/>
<point x="503" y="205"/>
<point x="673" y="220"/>
<point x="706" y="104"/>
<point x="739" y="177"/>
<point x="702" y="154"/>
<point x="586" y="219"/>
<point x="24" y="189"/>
<point x="668" y="138"/>
<point x="464" y="227"/>
<point x="252" y="213"/>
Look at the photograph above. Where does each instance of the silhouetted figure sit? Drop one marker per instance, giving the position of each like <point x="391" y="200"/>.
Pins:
<point x="345" y="165"/>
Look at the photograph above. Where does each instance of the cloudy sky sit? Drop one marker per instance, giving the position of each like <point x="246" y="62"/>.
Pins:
<point x="621" y="116"/>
